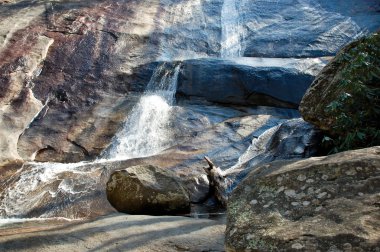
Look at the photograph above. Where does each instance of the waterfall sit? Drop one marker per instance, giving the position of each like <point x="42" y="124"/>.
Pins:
<point x="231" y="30"/>
<point x="76" y="190"/>
<point x="146" y="131"/>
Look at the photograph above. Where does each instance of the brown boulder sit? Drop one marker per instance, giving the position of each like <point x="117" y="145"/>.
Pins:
<point x="146" y="189"/>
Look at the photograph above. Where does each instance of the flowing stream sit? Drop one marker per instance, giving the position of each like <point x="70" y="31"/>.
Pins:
<point x="76" y="190"/>
<point x="231" y="30"/>
<point x="146" y="131"/>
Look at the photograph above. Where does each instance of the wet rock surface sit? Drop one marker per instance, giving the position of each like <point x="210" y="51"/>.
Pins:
<point x="67" y="61"/>
<point x="147" y="190"/>
<point x="244" y="81"/>
<point x="323" y="203"/>
<point x="307" y="28"/>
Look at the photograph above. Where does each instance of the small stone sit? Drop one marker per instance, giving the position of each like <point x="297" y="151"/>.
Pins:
<point x="318" y="209"/>
<point x="253" y="202"/>
<point x="295" y="203"/>
<point x="300" y="195"/>
<point x="316" y="201"/>
<point x="347" y="247"/>
<point x="321" y="195"/>
<point x="290" y="193"/>
<point x="351" y="172"/>
<point x="358" y="169"/>
<point x="279" y="179"/>
<point x="310" y="190"/>
<point x="306" y="203"/>
<point x="310" y="181"/>
<point x="360" y="194"/>
<point x="325" y="177"/>
<point x="268" y="205"/>
<point x="297" y="246"/>
<point x="282" y="188"/>
<point x="301" y="177"/>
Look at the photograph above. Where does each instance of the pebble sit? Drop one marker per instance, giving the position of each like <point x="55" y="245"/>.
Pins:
<point x="310" y="181"/>
<point x="321" y="195"/>
<point x="351" y="172"/>
<point x="282" y="188"/>
<point x="301" y="177"/>
<point x="297" y="246"/>
<point x="306" y="203"/>
<point x="253" y="202"/>
<point x="325" y="177"/>
<point x="295" y="203"/>
<point x="318" y="209"/>
<point x="290" y="193"/>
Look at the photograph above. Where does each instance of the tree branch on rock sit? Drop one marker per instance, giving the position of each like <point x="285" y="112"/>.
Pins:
<point x="218" y="182"/>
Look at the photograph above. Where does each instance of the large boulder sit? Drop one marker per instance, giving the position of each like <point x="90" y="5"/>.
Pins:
<point x="146" y="189"/>
<point x="245" y="81"/>
<point x="344" y="98"/>
<point x="322" y="203"/>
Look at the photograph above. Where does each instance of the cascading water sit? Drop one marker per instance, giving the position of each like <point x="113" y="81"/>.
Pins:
<point x="257" y="147"/>
<point x="76" y="190"/>
<point x="146" y="131"/>
<point x="47" y="190"/>
<point x="231" y="30"/>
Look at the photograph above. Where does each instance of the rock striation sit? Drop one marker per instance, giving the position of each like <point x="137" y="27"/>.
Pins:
<point x="320" y="203"/>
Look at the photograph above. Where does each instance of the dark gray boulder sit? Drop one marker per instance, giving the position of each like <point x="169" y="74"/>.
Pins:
<point x="268" y="82"/>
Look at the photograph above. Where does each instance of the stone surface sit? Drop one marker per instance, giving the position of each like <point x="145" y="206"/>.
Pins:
<point x="117" y="232"/>
<point x="304" y="28"/>
<point x="245" y="81"/>
<point x="78" y="64"/>
<point x="147" y="190"/>
<point x="321" y="203"/>
<point x="292" y="139"/>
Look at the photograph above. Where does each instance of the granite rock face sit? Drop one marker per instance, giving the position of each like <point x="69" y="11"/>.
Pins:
<point x="304" y="28"/>
<point x="320" y="203"/>
<point x="69" y="70"/>
<point x="147" y="190"/>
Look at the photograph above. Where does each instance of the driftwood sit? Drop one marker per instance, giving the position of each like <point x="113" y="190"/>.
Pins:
<point x="218" y="182"/>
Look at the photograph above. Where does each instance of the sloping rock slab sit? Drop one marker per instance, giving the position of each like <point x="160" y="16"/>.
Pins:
<point x="326" y="203"/>
<point x="147" y="190"/>
<point x="304" y="28"/>
<point x="116" y="232"/>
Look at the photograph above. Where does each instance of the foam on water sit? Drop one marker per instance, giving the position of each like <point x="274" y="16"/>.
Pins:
<point x="146" y="131"/>
<point x="257" y="147"/>
<point x="231" y="30"/>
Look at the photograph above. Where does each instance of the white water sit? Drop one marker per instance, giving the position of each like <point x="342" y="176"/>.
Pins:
<point x="45" y="190"/>
<point x="146" y="131"/>
<point x="50" y="190"/>
<point x="231" y="30"/>
<point x="257" y="147"/>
